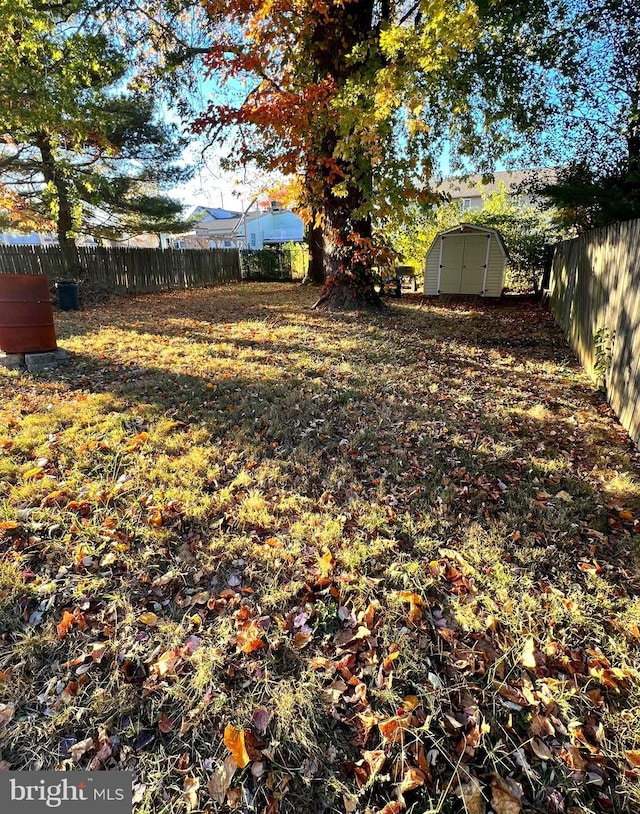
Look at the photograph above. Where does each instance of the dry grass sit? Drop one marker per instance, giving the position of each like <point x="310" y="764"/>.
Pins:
<point x="409" y="540"/>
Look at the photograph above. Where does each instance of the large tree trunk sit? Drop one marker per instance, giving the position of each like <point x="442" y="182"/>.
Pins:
<point x="349" y="254"/>
<point x="316" y="271"/>
<point x="349" y="257"/>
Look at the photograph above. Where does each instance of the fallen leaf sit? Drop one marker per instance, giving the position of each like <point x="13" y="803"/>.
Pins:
<point x="633" y="758"/>
<point x="506" y="795"/>
<point x="301" y="640"/>
<point x="325" y="563"/>
<point x="249" y="637"/>
<point x="166" y="724"/>
<point x="261" y="719"/>
<point x="540" y="749"/>
<point x="412" y="779"/>
<point x="589" y="566"/>
<point x="574" y="759"/>
<point x="190" y="792"/>
<point x="7" y="711"/>
<point x="145" y="738"/>
<point x="529" y="654"/>
<point x="102" y="755"/>
<point x="220" y="780"/>
<point x="167" y="662"/>
<point x="416" y="603"/>
<point x="234" y="741"/>
<point x="471" y="794"/>
<point x="137" y="441"/>
<point x="66" y="623"/>
<point x="565" y="496"/>
<point x="410" y="702"/>
<point x="258" y="768"/>
<point x="350" y="803"/>
<point x="32" y="473"/>
<point x="148" y="618"/>
<point x="393" y="729"/>
<point x="97" y="651"/>
<point x="374" y="761"/>
<point x="79" y="749"/>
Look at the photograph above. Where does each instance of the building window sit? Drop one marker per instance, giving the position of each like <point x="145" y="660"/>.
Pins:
<point x="252" y="238"/>
<point x="466" y="204"/>
<point x="179" y="244"/>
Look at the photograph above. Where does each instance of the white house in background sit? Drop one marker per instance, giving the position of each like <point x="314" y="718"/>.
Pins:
<point x="27" y="239"/>
<point x="272" y="228"/>
<point x="226" y="229"/>
<point x="470" y="190"/>
<point x="48" y="239"/>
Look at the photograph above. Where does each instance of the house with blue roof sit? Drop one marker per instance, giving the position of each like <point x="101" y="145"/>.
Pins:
<point x="227" y="229"/>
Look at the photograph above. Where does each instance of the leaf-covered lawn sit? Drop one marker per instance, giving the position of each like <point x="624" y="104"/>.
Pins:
<point x="281" y="561"/>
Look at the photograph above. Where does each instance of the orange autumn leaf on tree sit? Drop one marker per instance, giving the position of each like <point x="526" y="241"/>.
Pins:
<point x="234" y="741"/>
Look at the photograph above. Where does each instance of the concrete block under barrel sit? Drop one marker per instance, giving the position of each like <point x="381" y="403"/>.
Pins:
<point x="26" y="315"/>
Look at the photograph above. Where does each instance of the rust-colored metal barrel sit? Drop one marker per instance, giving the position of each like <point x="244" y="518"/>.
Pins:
<point x="26" y="315"/>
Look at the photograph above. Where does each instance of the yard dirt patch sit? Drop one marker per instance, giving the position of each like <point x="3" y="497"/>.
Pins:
<point x="274" y="560"/>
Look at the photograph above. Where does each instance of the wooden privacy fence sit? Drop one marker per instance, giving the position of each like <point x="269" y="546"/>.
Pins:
<point x="125" y="270"/>
<point x="595" y="298"/>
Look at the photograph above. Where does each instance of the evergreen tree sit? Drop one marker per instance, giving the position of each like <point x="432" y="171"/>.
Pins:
<point x="82" y="148"/>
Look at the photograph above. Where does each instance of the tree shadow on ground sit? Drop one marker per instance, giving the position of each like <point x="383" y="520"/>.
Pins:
<point x="412" y="444"/>
<point x="448" y="449"/>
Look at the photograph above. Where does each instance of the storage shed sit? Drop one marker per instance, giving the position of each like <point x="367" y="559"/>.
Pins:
<point x="467" y="259"/>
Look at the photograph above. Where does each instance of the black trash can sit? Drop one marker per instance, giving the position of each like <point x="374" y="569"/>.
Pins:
<point x="68" y="296"/>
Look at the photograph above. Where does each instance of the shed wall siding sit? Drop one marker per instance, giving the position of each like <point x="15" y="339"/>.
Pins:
<point x="431" y="270"/>
<point x="495" y="271"/>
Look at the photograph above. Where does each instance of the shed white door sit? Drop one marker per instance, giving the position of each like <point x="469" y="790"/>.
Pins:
<point x="451" y="264"/>
<point x="463" y="264"/>
<point x="475" y="258"/>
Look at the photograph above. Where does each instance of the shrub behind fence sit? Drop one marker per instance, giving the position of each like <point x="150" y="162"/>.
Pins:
<point x="125" y="270"/>
<point x="275" y="263"/>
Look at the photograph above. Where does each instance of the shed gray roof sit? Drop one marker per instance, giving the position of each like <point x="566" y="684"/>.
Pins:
<point x="466" y="228"/>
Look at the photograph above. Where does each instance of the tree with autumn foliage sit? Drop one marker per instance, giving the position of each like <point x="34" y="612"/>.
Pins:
<point x="359" y="99"/>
